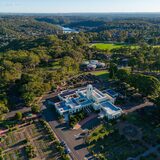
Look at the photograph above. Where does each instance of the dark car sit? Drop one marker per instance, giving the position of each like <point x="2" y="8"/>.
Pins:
<point x="67" y="150"/>
<point x="63" y="143"/>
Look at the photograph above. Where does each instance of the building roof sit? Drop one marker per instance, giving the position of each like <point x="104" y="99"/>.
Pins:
<point x="62" y="107"/>
<point x="109" y="107"/>
<point x="75" y="99"/>
<point x="66" y="93"/>
<point x="111" y="92"/>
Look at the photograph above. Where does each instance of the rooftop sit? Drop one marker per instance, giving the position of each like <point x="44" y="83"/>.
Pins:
<point x="98" y="94"/>
<point x="111" y="92"/>
<point x="62" y="106"/>
<point x="67" y="93"/>
<point x="75" y="99"/>
<point x="109" y="107"/>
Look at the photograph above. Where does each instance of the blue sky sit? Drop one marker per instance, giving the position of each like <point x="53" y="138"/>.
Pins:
<point x="65" y="6"/>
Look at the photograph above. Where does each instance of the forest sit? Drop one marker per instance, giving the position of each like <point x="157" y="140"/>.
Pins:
<point x="31" y="47"/>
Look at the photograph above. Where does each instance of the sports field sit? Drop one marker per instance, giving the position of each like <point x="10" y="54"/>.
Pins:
<point x="110" y="46"/>
<point x="104" y="75"/>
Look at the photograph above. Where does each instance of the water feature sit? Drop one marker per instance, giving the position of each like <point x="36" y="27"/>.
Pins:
<point x="68" y="30"/>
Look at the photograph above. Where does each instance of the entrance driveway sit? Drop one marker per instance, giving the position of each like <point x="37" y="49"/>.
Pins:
<point x="65" y="133"/>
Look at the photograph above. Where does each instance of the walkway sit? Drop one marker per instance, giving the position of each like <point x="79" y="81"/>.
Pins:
<point x="138" y="107"/>
<point x="149" y="151"/>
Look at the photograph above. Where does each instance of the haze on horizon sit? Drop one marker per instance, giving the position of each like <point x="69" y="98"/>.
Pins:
<point x="72" y="6"/>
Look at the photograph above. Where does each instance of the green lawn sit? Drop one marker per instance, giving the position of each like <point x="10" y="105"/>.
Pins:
<point x="110" y="46"/>
<point x="104" y="75"/>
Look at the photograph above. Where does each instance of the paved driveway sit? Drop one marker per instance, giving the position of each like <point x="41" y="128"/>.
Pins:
<point x="77" y="146"/>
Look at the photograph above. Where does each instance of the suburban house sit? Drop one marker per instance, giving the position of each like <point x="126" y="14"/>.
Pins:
<point x="75" y="100"/>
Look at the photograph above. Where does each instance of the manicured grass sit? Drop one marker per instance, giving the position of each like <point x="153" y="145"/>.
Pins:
<point x="110" y="46"/>
<point x="104" y="75"/>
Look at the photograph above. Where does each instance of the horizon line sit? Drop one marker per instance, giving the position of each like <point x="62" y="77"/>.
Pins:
<point x="116" y="12"/>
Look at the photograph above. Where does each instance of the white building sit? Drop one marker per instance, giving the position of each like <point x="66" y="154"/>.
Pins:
<point x="93" y="64"/>
<point x="76" y="100"/>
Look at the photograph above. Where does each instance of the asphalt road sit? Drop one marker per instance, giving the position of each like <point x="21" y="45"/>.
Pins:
<point x="78" y="148"/>
<point x="12" y="113"/>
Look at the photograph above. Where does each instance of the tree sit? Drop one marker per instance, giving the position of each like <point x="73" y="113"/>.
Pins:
<point x="123" y="74"/>
<point x="147" y="85"/>
<point x="113" y="70"/>
<point x="133" y="62"/>
<point x="3" y="110"/>
<point x="28" y="98"/>
<point x="35" y="108"/>
<point x="18" y="116"/>
<point x="67" y="62"/>
<point x="157" y="101"/>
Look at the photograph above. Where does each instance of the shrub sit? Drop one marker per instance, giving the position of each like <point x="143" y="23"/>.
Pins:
<point x="1" y="157"/>
<point x="18" y="116"/>
<point x="35" y="108"/>
<point x="1" y="150"/>
<point x="30" y="151"/>
<point x="65" y="157"/>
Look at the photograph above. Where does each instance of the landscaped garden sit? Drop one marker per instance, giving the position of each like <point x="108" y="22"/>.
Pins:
<point x="34" y="140"/>
<point x="74" y="119"/>
<point x="82" y="80"/>
<point x="151" y="156"/>
<point x="148" y="120"/>
<point x="118" y="142"/>
<point x="110" y="145"/>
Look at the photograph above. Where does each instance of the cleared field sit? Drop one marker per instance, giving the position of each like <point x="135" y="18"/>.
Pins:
<point x="110" y="46"/>
<point x="104" y="75"/>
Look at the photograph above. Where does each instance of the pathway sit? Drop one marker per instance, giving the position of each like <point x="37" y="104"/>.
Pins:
<point x="138" y="107"/>
<point x="149" y="151"/>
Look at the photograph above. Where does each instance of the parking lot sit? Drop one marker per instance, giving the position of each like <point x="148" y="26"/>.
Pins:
<point x="65" y="133"/>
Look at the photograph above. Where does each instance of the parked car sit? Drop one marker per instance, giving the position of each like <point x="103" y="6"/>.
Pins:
<point x="67" y="150"/>
<point x="63" y="143"/>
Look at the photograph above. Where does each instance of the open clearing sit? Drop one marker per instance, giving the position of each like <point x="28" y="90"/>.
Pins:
<point x="104" y="75"/>
<point x="110" y="46"/>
